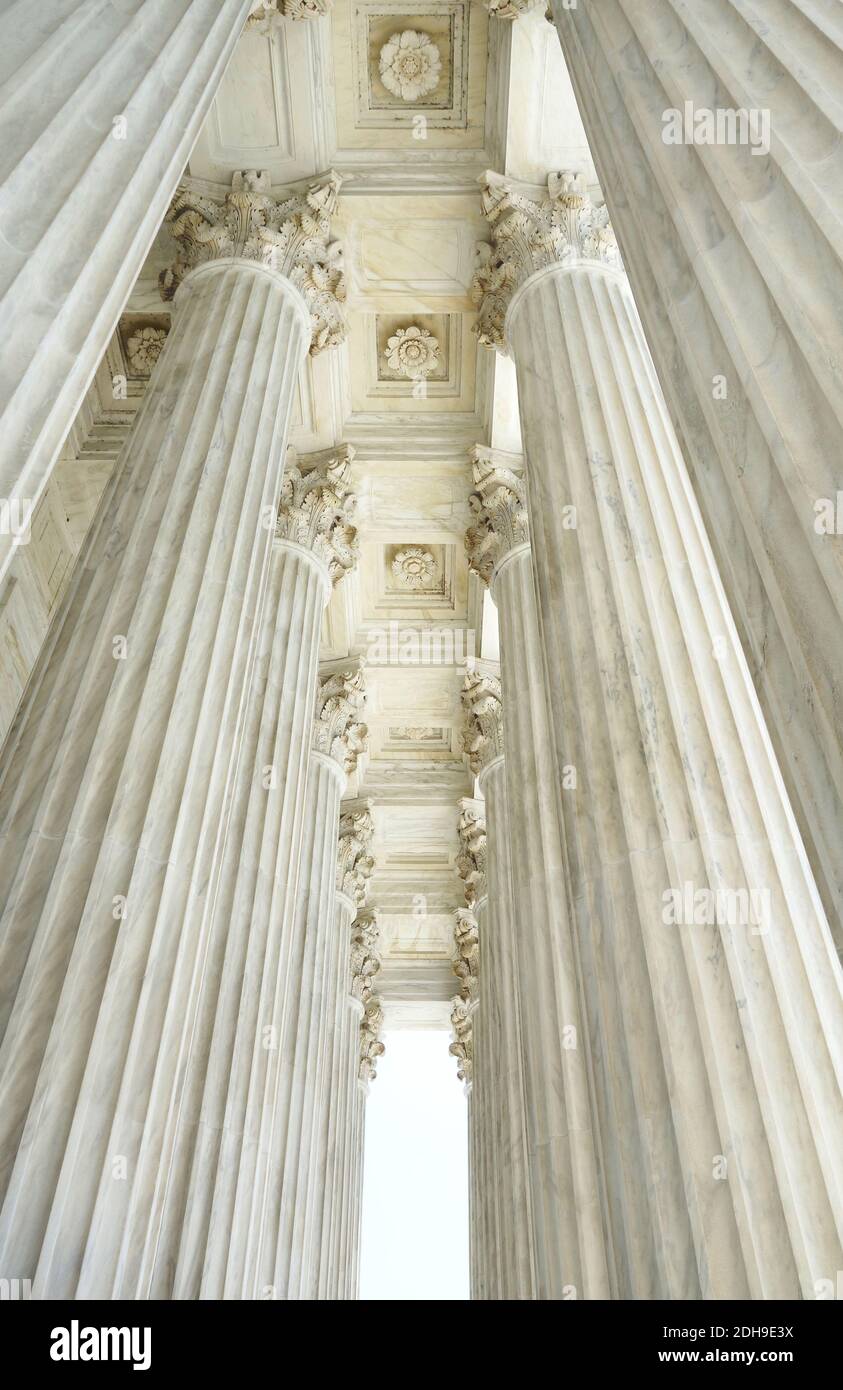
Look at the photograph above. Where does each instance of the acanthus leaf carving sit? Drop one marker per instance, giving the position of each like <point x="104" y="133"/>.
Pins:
<point x="466" y="962"/>
<point x="471" y="857"/>
<point x="316" y="509"/>
<point x="265" y="13"/>
<point x="565" y="226"/>
<point x="289" y="234"/>
<point x="462" y="1047"/>
<point x="371" y="1047"/>
<point x="466" y="965"/>
<point x="338" y="732"/>
<point x="482" y="705"/>
<point x="499" y="504"/>
<point x="354" y="862"/>
<point x="365" y="959"/>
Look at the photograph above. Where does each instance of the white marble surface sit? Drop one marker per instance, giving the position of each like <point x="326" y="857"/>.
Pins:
<point x="735" y="254"/>
<point x="89" y="167"/>
<point x="116" y="785"/>
<point x="708" y="1042"/>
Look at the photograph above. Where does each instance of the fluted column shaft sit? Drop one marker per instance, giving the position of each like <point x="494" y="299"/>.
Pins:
<point x="498" y="1049"/>
<point x="116" y="788"/>
<point x="717" y="1043"/>
<point x="347" y="1121"/>
<point x="345" y="1061"/>
<point x="734" y="247"/>
<point x="217" y="1145"/>
<point x="100" y="105"/>
<point x="569" y="1240"/>
<point x="311" y="987"/>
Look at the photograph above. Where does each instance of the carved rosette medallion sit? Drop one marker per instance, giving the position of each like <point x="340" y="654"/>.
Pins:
<point x="409" y="65"/>
<point x="412" y="351"/>
<point x="143" y="348"/>
<point x="414" y="567"/>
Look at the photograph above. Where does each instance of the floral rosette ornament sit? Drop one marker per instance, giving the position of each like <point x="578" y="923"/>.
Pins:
<point x="144" y="348"/>
<point x="413" y="351"/>
<point x="410" y="65"/>
<point x="414" y="567"/>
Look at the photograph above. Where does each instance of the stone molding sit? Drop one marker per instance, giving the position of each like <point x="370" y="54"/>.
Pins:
<point x="564" y="227"/>
<point x="290" y="234"/>
<point x="316" y="508"/>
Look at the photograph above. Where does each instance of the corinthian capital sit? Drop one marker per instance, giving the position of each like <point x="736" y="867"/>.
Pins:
<point x="365" y="960"/>
<point x="316" y="509"/>
<point x="290" y="234"/>
<point x="510" y="9"/>
<point x="338" y="731"/>
<point x="499" y="504"/>
<point x="461" y="1047"/>
<point x="466" y="962"/>
<point x="267" y="12"/>
<point x="481" y="702"/>
<point x="528" y="234"/>
<point x="471" y="859"/>
<point x="371" y="1047"/>
<point x="354" y="862"/>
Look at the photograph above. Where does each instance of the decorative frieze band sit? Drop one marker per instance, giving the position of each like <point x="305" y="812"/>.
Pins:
<point x="529" y="234"/>
<point x="316" y="508"/>
<point x="291" y="234"/>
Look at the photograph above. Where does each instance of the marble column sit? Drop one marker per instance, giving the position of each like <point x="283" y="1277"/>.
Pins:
<point x="716" y="130"/>
<point x="235" y="1093"/>
<point x="569" y="1239"/>
<point x="497" y="1045"/>
<point x="332" y="1222"/>
<point x="357" y="1049"/>
<point x="260" y="1180"/>
<point x="116" y="787"/>
<point x="475" y="1049"/>
<point x="708" y="975"/>
<point x="100" y="106"/>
